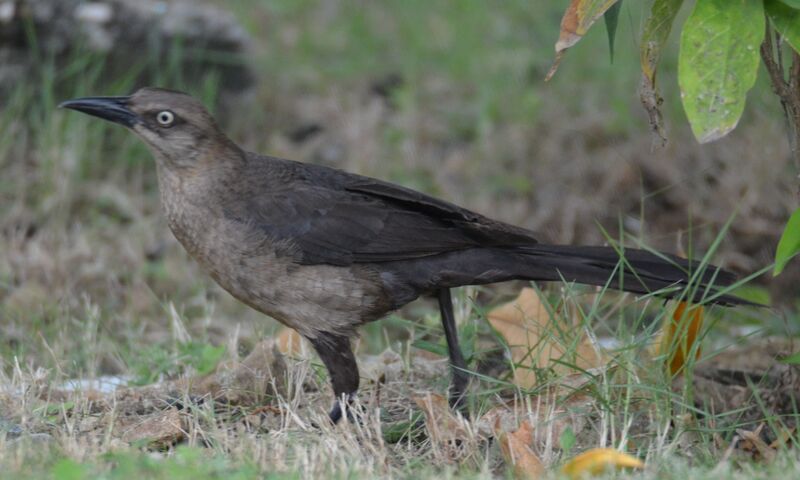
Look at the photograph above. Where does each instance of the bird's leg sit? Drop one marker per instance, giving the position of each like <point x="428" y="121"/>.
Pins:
<point x="336" y="354"/>
<point x="458" y="385"/>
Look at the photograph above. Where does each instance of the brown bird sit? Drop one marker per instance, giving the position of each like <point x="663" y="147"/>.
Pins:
<point x="324" y="251"/>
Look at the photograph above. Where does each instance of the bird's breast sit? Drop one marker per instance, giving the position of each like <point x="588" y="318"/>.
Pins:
<point x="262" y="272"/>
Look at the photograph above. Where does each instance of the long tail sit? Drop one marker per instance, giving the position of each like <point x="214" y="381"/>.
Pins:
<point x="630" y="270"/>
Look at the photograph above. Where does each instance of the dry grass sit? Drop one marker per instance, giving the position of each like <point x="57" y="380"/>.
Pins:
<point x="93" y="284"/>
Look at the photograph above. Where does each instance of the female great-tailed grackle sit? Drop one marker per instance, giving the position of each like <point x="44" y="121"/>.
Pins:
<point x="324" y="251"/>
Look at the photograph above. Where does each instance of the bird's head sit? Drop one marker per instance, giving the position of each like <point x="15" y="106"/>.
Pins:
<point x="176" y="127"/>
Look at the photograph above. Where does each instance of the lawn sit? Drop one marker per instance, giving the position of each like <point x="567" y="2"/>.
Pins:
<point x="446" y="97"/>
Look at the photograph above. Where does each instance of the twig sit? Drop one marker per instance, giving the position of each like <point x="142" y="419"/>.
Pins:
<point x="787" y="89"/>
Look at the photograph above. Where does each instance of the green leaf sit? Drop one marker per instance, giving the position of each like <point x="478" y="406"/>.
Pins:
<point x="655" y="33"/>
<point x="202" y="356"/>
<point x="67" y="469"/>
<point x="436" y="348"/>
<point x="755" y="294"/>
<point x="611" y="18"/>
<point x="567" y="441"/>
<point x="789" y="244"/>
<point x="792" y="359"/>
<point x="786" y="21"/>
<point x="718" y="63"/>
<point x="792" y="3"/>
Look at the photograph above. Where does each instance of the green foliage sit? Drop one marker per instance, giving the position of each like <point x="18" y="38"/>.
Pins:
<point x="793" y="359"/>
<point x="185" y="463"/>
<point x="67" y="469"/>
<point x="786" y="20"/>
<point x="718" y="63"/>
<point x="611" y="18"/>
<point x="155" y="362"/>
<point x="789" y="245"/>
<point x="719" y="54"/>
<point x="655" y="33"/>
<point x="720" y="50"/>
<point x="567" y="441"/>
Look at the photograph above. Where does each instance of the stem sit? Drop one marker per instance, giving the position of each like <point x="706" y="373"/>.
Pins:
<point x="787" y="89"/>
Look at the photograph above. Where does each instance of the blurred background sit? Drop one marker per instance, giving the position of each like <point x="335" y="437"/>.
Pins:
<point x="445" y="96"/>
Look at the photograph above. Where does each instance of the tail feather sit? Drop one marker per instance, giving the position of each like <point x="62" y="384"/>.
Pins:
<point x="637" y="271"/>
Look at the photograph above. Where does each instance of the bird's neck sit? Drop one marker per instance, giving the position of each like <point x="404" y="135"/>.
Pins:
<point x="193" y="196"/>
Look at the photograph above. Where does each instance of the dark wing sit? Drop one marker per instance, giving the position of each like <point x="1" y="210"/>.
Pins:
<point x="352" y="219"/>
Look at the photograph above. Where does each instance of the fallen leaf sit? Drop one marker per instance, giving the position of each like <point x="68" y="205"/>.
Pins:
<point x="598" y="460"/>
<point x="247" y="381"/>
<point x="290" y="343"/>
<point x="752" y="443"/>
<point x="517" y="452"/>
<point x="579" y="16"/>
<point x="440" y="420"/>
<point x="679" y="336"/>
<point x="448" y="433"/>
<point x="785" y="437"/>
<point x="534" y="340"/>
<point x="159" y="430"/>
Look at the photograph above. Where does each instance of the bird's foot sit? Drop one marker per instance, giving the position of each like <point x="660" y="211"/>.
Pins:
<point x="348" y="407"/>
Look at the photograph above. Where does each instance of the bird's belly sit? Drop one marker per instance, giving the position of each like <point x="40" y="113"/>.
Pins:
<point x="308" y="298"/>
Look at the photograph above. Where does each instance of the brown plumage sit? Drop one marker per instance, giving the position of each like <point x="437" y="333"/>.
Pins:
<point x="324" y="251"/>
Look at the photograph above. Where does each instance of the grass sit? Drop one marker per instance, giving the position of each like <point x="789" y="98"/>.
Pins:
<point x="92" y="283"/>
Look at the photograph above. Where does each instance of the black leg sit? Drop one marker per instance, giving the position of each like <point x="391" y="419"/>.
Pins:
<point x="458" y="386"/>
<point x="336" y="354"/>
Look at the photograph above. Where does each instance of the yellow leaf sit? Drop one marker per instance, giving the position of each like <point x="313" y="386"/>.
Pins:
<point x="597" y="460"/>
<point x="517" y="452"/>
<point x="534" y="339"/>
<point x="680" y="334"/>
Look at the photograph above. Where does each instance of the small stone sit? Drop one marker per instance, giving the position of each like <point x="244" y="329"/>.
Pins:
<point x="7" y="10"/>
<point x="94" y="12"/>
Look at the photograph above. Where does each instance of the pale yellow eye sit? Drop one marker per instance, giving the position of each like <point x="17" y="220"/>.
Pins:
<point x="165" y="118"/>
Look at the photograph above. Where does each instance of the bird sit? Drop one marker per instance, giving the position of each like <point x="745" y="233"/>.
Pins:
<point x="324" y="251"/>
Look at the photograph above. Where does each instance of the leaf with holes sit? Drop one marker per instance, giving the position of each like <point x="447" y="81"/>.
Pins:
<point x="718" y="63"/>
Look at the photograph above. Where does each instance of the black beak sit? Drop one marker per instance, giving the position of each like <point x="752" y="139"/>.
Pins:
<point x="113" y="109"/>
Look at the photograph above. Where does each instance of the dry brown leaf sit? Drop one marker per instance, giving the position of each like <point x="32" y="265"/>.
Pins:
<point x="532" y="337"/>
<point x="159" y="430"/>
<point x="598" y="460"/>
<point x="249" y="380"/>
<point x="441" y="422"/>
<point x="579" y="16"/>
<point x="785" y="437"/>
<point x="752" y="443"/>
<point x="290" y="343"/>
<point x="679" y="335"/>
<point x="448" y="434"/>
<point x="550" y="411"/>
<point x="517" y="452"/>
